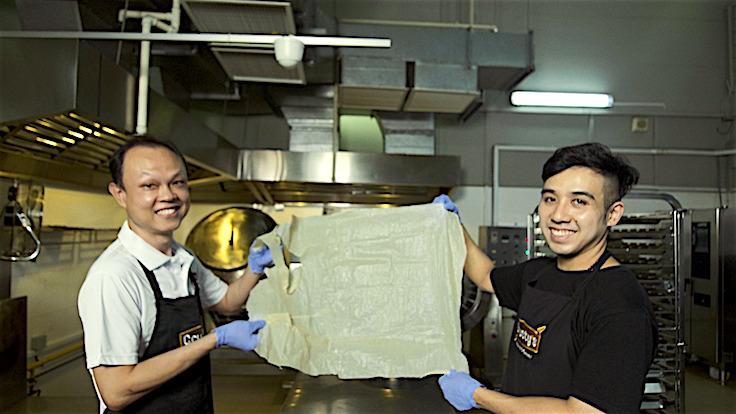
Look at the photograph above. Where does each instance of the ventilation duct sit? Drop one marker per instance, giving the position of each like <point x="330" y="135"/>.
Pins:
<point x="429" y="69"/>
<point x="310" y="128"/>
<point x="247" y="17"/>
<point x="372" y="83"/>
<point x="407" y="133"/>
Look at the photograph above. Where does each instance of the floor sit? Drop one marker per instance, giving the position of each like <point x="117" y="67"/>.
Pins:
<point x="245" y="385"/>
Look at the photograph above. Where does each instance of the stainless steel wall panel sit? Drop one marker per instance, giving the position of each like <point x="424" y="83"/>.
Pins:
<point x="358" y="168"/>
<point x="349" y="168"/>
<point x="272" y="166"/>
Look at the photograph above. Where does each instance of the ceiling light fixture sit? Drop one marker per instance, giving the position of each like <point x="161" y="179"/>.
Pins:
<point x="561" y="99"/>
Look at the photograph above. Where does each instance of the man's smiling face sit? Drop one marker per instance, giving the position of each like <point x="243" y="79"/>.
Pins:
<point x="155" y="194"/>
<point x="574" y="215"/>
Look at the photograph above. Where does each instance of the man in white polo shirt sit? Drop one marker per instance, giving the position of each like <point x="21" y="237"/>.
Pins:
<point x="141" y="303"/>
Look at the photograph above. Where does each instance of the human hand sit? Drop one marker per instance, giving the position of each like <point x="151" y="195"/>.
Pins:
<point x="239" y="334"/>
<point x="259" y="258"/>
<point x="458" y="389"/>
<point x="445" y="201"/>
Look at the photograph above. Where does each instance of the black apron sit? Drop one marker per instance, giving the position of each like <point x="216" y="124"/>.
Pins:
<point x="178" y="322"/>
<point x="541" y="356"/>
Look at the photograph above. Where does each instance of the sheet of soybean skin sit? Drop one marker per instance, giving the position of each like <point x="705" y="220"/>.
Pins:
<point x="377" y="294"/>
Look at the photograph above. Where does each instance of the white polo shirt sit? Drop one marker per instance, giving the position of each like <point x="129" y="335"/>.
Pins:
<point x="116" y="303"/>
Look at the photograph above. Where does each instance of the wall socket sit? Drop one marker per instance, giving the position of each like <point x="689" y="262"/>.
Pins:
<point x="639" y="124"/>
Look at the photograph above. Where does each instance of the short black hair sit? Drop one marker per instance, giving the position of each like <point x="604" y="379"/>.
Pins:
<point x="117" y="159"/>
<point x="619" y="173"/>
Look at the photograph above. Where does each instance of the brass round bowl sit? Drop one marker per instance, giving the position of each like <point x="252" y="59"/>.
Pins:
<point x="222" y="239"/>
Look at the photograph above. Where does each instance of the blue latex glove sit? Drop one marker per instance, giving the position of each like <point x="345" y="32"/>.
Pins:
<point x="259" y="258"/>
<point x="239" y="334"/>
<point x="458" y="389"/>
<point x="445" y="201"/>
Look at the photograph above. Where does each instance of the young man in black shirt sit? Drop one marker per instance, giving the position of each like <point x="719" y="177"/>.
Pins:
<point x="585" y="334"/>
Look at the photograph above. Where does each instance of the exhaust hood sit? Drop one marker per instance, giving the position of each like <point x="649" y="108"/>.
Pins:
<point x="68" y="115"/>
<point x="269" y="176"/>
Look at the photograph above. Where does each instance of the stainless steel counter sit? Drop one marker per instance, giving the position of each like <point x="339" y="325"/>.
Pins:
<point x="330" y="395"/>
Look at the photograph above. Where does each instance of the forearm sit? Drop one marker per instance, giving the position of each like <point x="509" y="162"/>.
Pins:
<point x="120" y="386"/>
<point x="237" y="293"/>
<point x="478" y="265"/>
<point x="501" y="403"/>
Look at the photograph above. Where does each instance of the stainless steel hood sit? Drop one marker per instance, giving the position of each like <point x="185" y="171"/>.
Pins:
<point x="270" y="177"/>
<point x="66" y="109"/>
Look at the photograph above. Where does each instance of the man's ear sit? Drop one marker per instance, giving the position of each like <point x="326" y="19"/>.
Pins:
<point x="118" y="193"/>
<point x="615" y="212"/>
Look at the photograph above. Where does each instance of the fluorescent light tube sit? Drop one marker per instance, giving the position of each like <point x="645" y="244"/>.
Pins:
<point x="561" y="99"/>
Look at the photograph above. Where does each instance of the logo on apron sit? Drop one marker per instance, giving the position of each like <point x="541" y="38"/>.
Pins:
<point x="190" y="335"/>
<point x="528" y="339"/>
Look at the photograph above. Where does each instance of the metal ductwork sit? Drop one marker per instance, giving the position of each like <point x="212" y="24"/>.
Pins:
<point x="406" y="172"/>
<point x="429" y="69"/>
<point x="407" y="133"/>
<point x="66" y="116"/>
<point x="252" y="64"/>
<point x="310" y="128"/>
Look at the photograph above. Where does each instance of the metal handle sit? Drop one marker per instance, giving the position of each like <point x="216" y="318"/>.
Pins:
<point x="26" y="224"/>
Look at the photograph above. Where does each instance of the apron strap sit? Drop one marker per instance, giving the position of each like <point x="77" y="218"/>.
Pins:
<point x="601" y="260"/>
<point x="152" y="281"/>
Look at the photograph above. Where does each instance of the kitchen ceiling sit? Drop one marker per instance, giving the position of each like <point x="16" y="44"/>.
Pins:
<point x="405" y="78"/>
<point x="224" y="80"/>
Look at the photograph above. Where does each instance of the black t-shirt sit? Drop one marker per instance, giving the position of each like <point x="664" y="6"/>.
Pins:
<point x="613" y="330"/>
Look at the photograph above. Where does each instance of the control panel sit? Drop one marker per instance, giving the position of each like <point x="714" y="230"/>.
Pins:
<point x="505" y="245"/>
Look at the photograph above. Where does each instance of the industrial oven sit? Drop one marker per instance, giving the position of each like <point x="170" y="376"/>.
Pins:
<point x="710" y="289"/>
